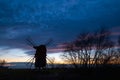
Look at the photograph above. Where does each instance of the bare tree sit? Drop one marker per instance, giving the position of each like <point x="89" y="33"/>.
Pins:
<point x="91" y="49"/>
<point x="79" y="52"/>
<point x="102" y="47"/>
<point x="2" y="62"/>
<point x="119" y="40"/>
<point x="118" y="52"/>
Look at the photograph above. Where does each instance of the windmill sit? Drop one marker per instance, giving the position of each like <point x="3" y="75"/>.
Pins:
<point x="40" y="54"/>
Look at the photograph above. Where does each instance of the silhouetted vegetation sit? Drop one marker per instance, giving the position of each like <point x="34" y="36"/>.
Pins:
<point x="92" y="50"/>
<point x="2" y="62"/>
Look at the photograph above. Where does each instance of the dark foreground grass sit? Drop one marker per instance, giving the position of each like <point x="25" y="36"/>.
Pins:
<point x="106" y="73"/>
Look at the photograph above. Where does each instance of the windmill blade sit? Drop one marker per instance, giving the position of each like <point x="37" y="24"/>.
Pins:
<point x="48" y="59"/>
<point x="30" y="42"/>
<point x="49" y="42"/>
<point x="29" y="61"/>
<point x="32" y="63"/>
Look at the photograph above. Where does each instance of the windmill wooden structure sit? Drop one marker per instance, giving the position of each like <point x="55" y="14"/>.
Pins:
<point x="40" y="54"/>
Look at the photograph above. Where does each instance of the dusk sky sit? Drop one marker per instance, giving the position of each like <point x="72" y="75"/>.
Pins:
<point x="60" y="20"/>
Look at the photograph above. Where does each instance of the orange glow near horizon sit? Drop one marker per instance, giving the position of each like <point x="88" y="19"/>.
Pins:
<point x="19" y="55"/>
<point x="14" y="55"/>
<point x="15" y="59"/>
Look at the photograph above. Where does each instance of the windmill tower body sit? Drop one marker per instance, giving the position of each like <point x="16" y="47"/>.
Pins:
<point x="40" y="56"/>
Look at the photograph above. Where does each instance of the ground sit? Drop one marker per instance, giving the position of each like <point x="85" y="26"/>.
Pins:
<point x="61" y="74"/>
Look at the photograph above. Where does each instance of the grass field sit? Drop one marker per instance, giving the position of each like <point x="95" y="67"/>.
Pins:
<point x="61" y="74"/>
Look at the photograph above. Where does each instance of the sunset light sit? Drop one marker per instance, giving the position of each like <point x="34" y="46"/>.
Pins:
<point x="59" y="39"/>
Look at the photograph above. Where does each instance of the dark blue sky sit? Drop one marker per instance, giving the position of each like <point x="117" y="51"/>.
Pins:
<point x="61" y="20"/>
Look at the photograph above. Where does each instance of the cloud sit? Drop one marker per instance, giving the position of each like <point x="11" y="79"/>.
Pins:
<point x="39" y="10"/>
<point x="61" y="20"/>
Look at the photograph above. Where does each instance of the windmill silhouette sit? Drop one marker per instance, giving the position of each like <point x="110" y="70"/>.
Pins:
<point x="40" y="54"/>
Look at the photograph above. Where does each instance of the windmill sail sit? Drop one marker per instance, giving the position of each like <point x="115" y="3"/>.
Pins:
<point x="40" y="55"/>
